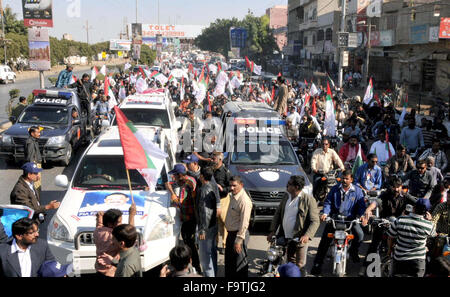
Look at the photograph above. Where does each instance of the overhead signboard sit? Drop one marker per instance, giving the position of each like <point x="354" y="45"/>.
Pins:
<point x="352" y="39"/>
<point x="120" y="45"/>
<point x="178" y="31"/>
<point x="419" y="34"/>
<point x="238" y="37"/>
<point x="343" y="39"/>
<point x="37" y="13"/>
<point x="444" y="29"/>
<point x="39" y="49"/>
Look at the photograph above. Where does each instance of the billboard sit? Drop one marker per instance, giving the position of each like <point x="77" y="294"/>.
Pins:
<point x="136" y="33"/>
<point x="238" y="37"/>
<point x="37" y="13"/>
<point x="444" y="29"/>
<point x="172" y="31"/>
<point x="39" y="46"/>
<point x="418" y="34"/>
<point x="120" y="45"/>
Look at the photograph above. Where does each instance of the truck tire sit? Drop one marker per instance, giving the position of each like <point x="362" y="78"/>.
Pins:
<point x="68" y="156"/>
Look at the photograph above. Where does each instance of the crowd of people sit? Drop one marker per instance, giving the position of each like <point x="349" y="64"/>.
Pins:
<point x="215" y="208"/>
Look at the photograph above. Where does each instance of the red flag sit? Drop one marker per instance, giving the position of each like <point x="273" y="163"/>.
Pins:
<point x="106" y="86"/>
<point x="191" y="68"/>
<point x="231" y="74"/>
<point x="142" y="72"/>
<point x="313" y="108"/>
<point x="202" y="75"/>
<point x="195" y="75"/>
<point x="133" y="152"/>
<point x="387" y="143"/>
<point x="247" y="62"/>
<point x="378" y="100"/>
<point x="219" y="66"/>
<point x="273" y="93"/>
<point x="262" y="88"/>
<point x="279" y="73"/>
<point x="306" y="83"/>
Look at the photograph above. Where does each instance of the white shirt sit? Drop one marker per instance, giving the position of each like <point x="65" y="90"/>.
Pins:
<point x="24" y="259"/>
<point x="379" y="148"/>
<point x="295" y="118"/>
<point x="290" y="216"/>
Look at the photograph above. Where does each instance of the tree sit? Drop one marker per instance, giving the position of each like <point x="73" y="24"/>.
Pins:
<point x="12" y="25"/>
<point x="147" y="55"/>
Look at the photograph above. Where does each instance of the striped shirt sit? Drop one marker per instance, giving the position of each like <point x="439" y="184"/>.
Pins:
<point x="411" y="233"/>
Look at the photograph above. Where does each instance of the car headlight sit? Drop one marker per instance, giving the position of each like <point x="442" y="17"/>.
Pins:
<point x="58" y="231"/>
<point x="56" y="140"/>
<point x="272" y="255"/>
<point x="6" y="139"/>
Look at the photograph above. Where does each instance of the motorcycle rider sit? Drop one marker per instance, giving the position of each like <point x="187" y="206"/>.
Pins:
<point x="399" y="164"/>
<point x="322" y="162"/>
<point x="102" y="107"/>
<point x="348" y="200"/>
<point x="411" y="136"/>
<point x="439" y="156"/>
<point x="382" y="148"/>
<point x="392" y="203"/>
<point x="421" y="181"/>
<point x="349" y="151"/>
<point x="435" y="172"/>
<point x="297" y="216"/>
<point x="369" y="176"/>
<point x="307" y="128"/>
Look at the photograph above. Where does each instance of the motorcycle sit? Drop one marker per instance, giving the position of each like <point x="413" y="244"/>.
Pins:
<point x="101" y="121"/>
<point x="306" y="147"/>
<point x="325" y="183"/>
<point x="276" y="256"/>
<point x="386" y="261"/>
<point x="340" y="243"/>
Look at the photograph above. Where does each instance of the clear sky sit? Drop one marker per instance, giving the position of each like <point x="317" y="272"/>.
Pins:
<point x="107" y="17"/>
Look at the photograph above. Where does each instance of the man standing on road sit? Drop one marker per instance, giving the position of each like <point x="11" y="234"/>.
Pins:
<point x="298" y="217"/>
<point x="347" y="200"/>
<point x="64" y="77"/>
<point x="32" y="151"/>
<point x="19" y="108"/>
<point x="282" y="96"/>
<point x="236" y="222"/>
<point x="410" y="233"/>
<point x="25" y="192"/>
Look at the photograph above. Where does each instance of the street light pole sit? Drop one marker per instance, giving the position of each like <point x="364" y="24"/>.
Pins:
<point x="341" y="71"/>
<point x="136" y="10"/>
<point x="366" y="67"/>
<point x="3" y="28"/>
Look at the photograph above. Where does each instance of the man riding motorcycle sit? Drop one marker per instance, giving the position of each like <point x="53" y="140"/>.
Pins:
<point x="399" y="164"/>
<point x="349" y="152"/>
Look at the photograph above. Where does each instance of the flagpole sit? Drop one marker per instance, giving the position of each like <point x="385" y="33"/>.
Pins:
<point x="129" y="184"/>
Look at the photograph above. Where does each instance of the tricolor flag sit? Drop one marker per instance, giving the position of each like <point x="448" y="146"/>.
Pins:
<point x="144" y="75"/>
<point x="103" y="70"/>
<point x="306" y="84"/>
<point x="302" y="112"/>
<point x="387" y="144"/>
<point x="138" y="151"/>
<point x="122" y="91"/>
<point x="171" y="78"/>
<point x="358" y="161"/>
<point x="369" y="93"/>
<point x="314" y="91"/>
<point x="330" y="117"/>
<point x="253" y="67"/>
<point x="108" y="92"/>
<point x="94" y="73"/>
<point x="73" y="80"/>
<point x="331" y="81"/>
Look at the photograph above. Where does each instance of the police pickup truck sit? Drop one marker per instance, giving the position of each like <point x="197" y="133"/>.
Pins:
<point x="61" y="134"/>
<point x="261" y="154"/>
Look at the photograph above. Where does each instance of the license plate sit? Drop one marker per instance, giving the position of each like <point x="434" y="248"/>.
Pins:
<point x="338" y="258"/>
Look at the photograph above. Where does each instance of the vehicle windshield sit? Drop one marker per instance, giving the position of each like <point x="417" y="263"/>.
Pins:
<point x="97" y="172"/>
<point x="266" y="152"/>
<point x="147" y="117"/>
<point x="44" y="116"/>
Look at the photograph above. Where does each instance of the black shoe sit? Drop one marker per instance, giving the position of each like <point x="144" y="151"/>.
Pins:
<point x="317" y="269"/>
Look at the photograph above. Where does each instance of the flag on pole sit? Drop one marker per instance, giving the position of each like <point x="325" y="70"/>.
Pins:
<point x="256" y="68"/>
<point x="306" y="84"/>
<point x="122" y="91"/>
<point x="273" y="93"/>
<point x="94" y="73"/>
<point x="402" y="116"/>
<point x="369" y="93"/>
<point x="247" y="62"/>
<point x="387" y="144"/>
<point x="144" y="75"/>
<point x="302" y="112"/>
<point x="73" y="80"/>
<point x="219" y="66"/>
<point x="138" y="151"/>
<point x="106" y="86"/>
<point x="331" y="81"/>
<point x="126" y="66"/>
<point x="358" y="161"/>
<point x="314" y="91"/>
<point x="330" y="117"/>
<point x="103" y="70"/>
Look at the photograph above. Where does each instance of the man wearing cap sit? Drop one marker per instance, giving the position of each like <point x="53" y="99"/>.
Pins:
<point x="25" y="192"/>
<point x="24" y="255"/>
<point x="410" y="233"/>
<point x="186" y="186"/>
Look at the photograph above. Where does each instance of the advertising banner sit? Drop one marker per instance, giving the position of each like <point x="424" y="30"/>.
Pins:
<point x="119" y="45"/>
<point x="444" y="29"/>
<point x="172" y="31"/>
<point x="419" y="34"/>
<point x="39" y="46"/>
<point x="136" y="33"/>
<point x="37" y="13"/>
<point x="434" y="34"/>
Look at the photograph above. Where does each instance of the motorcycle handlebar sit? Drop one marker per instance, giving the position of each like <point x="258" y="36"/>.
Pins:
<point x="333" y="221"/>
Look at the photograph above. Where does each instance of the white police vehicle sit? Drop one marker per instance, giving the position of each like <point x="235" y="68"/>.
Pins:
<point x="261" y="154"/>
<point x="61" y="134"/>
<point x="154" y="109"/>
<point x="100" y="183"/>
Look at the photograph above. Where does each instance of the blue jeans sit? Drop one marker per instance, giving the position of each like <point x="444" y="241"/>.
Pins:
<point x="208" y="252"/>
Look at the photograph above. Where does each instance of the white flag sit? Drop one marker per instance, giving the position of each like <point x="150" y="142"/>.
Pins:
<point x="314" y="91"/>
<point x="330" y="118"/>
<point x="257" y="69"/>
<point x="369" y="93"/>
<point x="103" y="70"/>
<point x="141" y="86"/>
<point x="126" y="66"/>
<point x="112" y="100"/>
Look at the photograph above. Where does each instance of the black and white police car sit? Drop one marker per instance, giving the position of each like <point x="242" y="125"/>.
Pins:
<point x="60" y="133"/>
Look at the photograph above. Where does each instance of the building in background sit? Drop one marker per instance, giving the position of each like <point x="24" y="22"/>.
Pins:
<point x="67" y="36"/>
<point x="278" y="22"/>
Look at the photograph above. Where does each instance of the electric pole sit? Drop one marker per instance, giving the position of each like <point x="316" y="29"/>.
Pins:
<point x="136" y="11"/>
<point x="3" y="29"/>
<point x="366" y="67"/>
<point x="87" y="30"/>
<point x="341" y="71"/>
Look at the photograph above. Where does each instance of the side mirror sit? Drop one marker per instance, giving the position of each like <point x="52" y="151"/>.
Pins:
<point x="61" y="181"/>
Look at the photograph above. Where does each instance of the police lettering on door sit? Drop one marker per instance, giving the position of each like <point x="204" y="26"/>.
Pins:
<point x="258" y="130"/>
<point x="51" y="101"/>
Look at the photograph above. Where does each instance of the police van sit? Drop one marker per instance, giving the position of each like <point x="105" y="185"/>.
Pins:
<point x="153" y="109"/>
<point x="61" y="134"/>
<point x="100" y="183"/>
<point x="258" y="150"/>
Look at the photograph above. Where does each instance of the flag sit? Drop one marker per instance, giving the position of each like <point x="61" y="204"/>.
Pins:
<point x="191" y="68"/>
<point x="402" y="116"/>
<point x="182" y="90"/>
<point x="273" y="93"/>
<point x="94" y="73"/>
<point x="314" y="91"/>
<point x="73" y="80"/>
<point x="378" y="100"/>
<point x="170" y="79"/>
<point x="302" y="112"/>
<point x="369" y="93"/>
<point x="144" y="75"/>
<point x="106" y="86"/>
<point x="247" y="62"/>
<point x="103" y="70"/>
<point x="209" y="102"/>
<point x="219" y="66"/>
<point x="122" y="91"/>
<point x="314" y="108"/>
<point x="330" y="117"/>
<point x="279" y="73"/>
<point x="138" y="151"/>
<point x="331" y="81"/>
<point x="256" y="69"/>
<point x="387" y="144"/>
<point x="306" y="84"/>
<point x="141" y="85"/>
<point x="202" y="75"/>
<point x="358" y="161"/>
<point x="126" y="66"/>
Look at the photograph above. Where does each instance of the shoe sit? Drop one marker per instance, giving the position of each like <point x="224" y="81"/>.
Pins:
<point x="317" y="269"/>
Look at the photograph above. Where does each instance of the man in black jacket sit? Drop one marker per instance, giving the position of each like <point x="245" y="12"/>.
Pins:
<point x="25" y="192"/>
<point x="208" y="208"/>
<point x="84" y="89"/>
<point x="32" y="151"/>
<point x="222" y="176"/>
